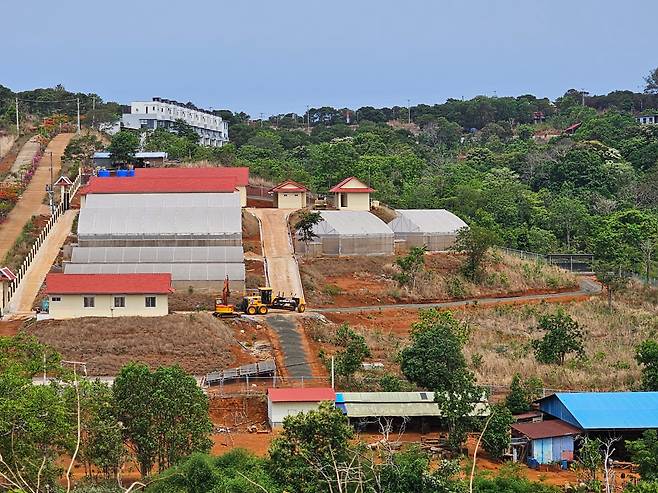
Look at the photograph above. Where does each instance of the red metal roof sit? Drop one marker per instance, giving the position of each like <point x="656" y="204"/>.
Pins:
<point x="546" y="429"/>
<point x="283" y="187"/>
<point x="341" y="187"/>
<point x="108" y="283"/>
<point x="308" y="394"/>
<point x="7" y="274"/>
<point x="136" y="184"/>
<point x="241" y="174"/>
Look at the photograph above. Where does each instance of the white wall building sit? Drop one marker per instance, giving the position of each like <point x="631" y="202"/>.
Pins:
<point x="288" y="402"/>
<point x="163" y="113"/>
<point x="107" y="295"/>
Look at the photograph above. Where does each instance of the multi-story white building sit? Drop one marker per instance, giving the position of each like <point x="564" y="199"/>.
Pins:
<point x="163" y="113"/>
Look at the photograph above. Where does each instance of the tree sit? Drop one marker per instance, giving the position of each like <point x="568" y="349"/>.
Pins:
<point x="652" y="82"/>
<point x="590" y="460"/>
<point x="411" y="266"/>
<point x="435" y="360"/>
<point x="35" y="423"/>
<point x="647" y="355"/>
<point x="474" y="241"/>
<point x="164" y="415"/>
<point x="612" y="275"/>
<point x="519" y="399"/>
<point x="497" y="437"/>
<point x="305" y="225"/>
<point x="563" y="336"/>
<point x="644" y="452"/>
<point x="304" y="455"/>
<point x="123" y="146"/>
<point x="186" y="131"/>
<point x="349" y="359"/>
<point x="457" y="406"/>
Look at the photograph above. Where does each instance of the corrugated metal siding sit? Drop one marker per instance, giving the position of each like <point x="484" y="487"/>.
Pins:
<point x="162" y="200"/>
<point x="553" y="405"/>
<point x="101" y="255"/>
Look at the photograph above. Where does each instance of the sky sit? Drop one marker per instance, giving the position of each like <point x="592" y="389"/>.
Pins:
<point x="278" y="56"/>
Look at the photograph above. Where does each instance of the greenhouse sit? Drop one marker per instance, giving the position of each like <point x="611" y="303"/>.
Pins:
<point x="435" y="229"/>
<point x="155" y="226"/>
<point x="349" y="233"/>
<point x="162" y="200"/>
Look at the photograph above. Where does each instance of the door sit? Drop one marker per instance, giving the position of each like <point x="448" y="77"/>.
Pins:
<point x="343" y="200"/>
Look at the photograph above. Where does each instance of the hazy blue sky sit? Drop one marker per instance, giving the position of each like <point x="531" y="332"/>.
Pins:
<point x="278" y="55"/>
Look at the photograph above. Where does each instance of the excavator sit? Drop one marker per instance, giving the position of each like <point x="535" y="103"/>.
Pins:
<point x="259" y="303"/>
<point x="222" y="307"/>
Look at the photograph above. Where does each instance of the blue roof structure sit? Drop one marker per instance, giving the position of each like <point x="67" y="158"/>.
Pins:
<point x="604" y="410"/>
<point x="139" y="155"/>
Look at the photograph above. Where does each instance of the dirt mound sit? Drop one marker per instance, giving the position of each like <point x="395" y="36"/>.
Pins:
<point x="197" y="342"/>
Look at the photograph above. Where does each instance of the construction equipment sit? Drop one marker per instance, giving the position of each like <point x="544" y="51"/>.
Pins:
<point x="222" y="307"/>
<point x="263" y="301"/>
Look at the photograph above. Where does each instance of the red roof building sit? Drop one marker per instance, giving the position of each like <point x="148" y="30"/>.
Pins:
<point x="351" y="185"/>
<point x="57" y="284"/>
<point x="289" y="195"/>
<point x="545" y="429"/>
<point x="6" y="274"/>
<point x="352" y="194"/>
<point x="289" y="186"/>
<point x="308" y="394"/>
<point x="240" y="174"/>
<point x="110" y="185"/>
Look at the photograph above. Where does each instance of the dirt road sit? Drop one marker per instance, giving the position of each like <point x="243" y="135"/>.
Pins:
<point x="281" y="265"/>
<point x="587" y="288"/>
<point x="26" y="154"/>
<point x="22" y="301"/>
<point x="31" y="201"/>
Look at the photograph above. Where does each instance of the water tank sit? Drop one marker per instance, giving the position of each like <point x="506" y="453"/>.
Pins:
<point x="131" y="172"/>
<point x="103" y="173"/>
<point x="122" y="172"/>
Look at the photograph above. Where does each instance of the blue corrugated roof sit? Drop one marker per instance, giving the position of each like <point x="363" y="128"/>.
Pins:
<point x="139" y="155"/>
<point x="609" y="410"/>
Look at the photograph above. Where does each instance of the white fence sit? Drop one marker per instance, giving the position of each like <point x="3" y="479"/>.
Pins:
<point x="59" y="210"/>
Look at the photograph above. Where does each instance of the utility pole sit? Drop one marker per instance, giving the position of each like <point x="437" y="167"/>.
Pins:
<point x="93" y="112"/>
<point x="261" y="118"/>
<point x="583" y="93"/>
<point x="408" y="110"/>
<point x="18" y="128"/>
<point x="78" y="100"/>
<point x="308" y="119"/>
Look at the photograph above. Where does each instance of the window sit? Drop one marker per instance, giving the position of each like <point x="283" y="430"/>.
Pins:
<point x="55" y="298"/>
<point x="119" y="302"/>
<point x="149" y="301"/>
<point x="89" y="302"/>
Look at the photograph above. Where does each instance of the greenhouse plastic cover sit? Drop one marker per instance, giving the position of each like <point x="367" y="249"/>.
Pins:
<point x="426" y="221"/>
<point x="121" y="220"/>
<point x="162" y="200"/>
<point x="351" y="223"/>
<point x="179" y="272"/>
<point x="120" y="255"/>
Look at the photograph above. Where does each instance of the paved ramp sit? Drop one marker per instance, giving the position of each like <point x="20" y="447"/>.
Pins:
<point x="292" y="345"/>
<point x="281" y="265"/>
<point x="31" y="201"/>
<point x="23" y="299"/>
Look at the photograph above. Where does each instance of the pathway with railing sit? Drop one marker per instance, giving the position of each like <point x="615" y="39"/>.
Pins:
<point x="33" y="264"/>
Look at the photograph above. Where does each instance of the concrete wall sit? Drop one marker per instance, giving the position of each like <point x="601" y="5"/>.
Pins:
<point x="72" y="306"/>
<point x="355" y="202"/>
<point x="276" y="411"/>
<point x="290" y="200"/>
<point x="243" y="195"/>
<point x="4" y="294"/>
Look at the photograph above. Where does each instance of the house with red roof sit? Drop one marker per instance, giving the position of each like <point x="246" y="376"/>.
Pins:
<point x="288" y="402"/>
<point x="239" y="174"/>
<point x="289" y="195"/>
<point x="6" y="277"/>
<point x="352" y="194"/>
<point x="108" y="295"/>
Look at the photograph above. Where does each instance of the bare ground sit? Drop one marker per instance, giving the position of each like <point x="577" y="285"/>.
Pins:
<point x="500" y="342"/>
<point x="198" y="342"/>
<point x="369" y="280"/>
